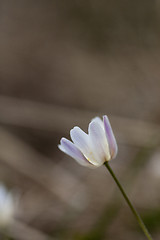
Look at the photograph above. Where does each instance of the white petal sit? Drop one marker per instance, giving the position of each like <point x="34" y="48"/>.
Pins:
<point x="82" y="142"/>
<point x="98" y="120"/>
<point x="110" y="136"/>
<point x="69" y="148"/>
<point x="98" y="141"/>
<point x="80" y="139"/>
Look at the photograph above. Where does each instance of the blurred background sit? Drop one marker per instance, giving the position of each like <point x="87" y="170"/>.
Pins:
<point x="61" y="64"/>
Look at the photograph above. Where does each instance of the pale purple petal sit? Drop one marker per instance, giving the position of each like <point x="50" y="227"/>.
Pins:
<point x="69" y="148"/>
<point x="99" y="142"/>
<point x="110" y="137"/>
<point x="80" y="139"/>
<point x="98" y="120"/>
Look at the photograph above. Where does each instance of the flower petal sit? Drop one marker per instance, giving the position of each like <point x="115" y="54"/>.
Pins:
<point x="110" y="136"/>
<point x="69" y="148"/>
<point x="99" y="121"/>
<point x="98" y="141"/>
<point x="80" y="139"/>
<point x="82" y="142"/>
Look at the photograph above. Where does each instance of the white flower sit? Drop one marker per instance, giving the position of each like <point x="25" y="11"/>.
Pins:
<point x="94" y="148"/>
<point x="7" y="206"/>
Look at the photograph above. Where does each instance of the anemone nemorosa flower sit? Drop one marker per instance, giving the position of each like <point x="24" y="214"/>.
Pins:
<point x="94" y="148"/>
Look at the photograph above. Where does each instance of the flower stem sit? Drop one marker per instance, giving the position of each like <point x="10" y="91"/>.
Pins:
<point x="140" y="221"/>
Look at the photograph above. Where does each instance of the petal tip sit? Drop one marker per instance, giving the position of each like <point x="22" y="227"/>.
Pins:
<point x="105" y="118"/>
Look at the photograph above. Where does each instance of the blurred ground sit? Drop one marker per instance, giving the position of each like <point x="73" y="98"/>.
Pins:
<point x="61" y="64"/>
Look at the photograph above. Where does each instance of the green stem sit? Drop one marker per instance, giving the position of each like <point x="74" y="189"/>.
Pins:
<point x="140" y="221"/>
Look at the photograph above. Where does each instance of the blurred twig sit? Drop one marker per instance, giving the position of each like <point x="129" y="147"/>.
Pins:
<point x="36" y="115"/>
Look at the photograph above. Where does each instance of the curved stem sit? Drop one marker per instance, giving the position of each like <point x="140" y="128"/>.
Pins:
<point x="140" y="221"/>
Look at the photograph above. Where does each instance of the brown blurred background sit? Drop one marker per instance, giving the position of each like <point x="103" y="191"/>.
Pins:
<point x="61" y="64"/>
